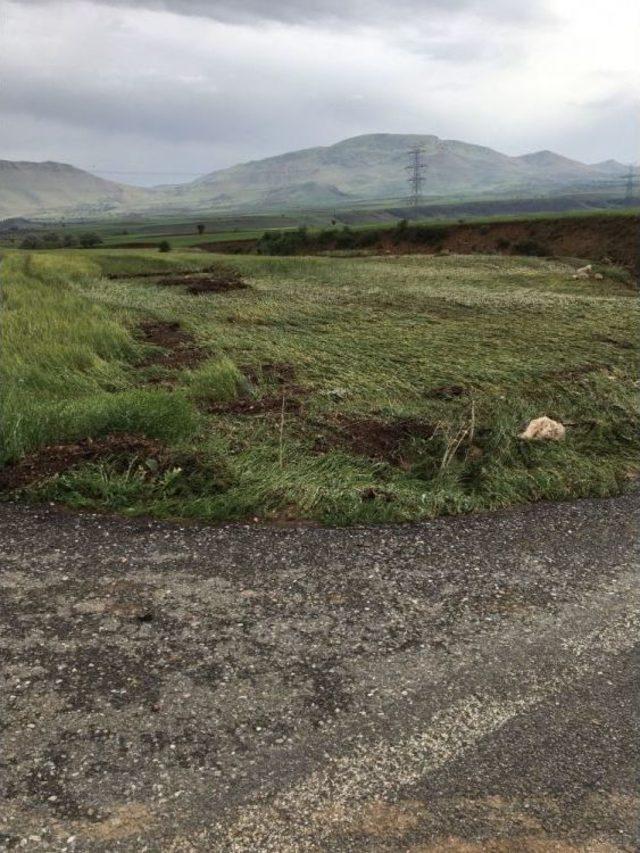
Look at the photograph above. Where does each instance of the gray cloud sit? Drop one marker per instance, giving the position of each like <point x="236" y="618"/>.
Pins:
<point x="110" y="87"/>
<point x="364" y="12"/>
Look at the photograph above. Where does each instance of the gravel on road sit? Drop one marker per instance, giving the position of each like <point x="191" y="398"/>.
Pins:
<point x="465" y="684"/>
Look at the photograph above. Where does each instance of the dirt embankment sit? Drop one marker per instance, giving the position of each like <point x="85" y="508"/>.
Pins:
<point x="592" y="237"/>
<point x="614" y="237"/>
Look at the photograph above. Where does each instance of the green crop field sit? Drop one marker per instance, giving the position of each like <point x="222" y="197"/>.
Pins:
<point x="338" y="390"/>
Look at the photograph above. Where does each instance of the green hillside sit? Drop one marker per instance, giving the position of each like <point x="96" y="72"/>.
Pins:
<point x="357" y="170"/>
<point x="28" y="189"/>
<point x="374" y="167"/>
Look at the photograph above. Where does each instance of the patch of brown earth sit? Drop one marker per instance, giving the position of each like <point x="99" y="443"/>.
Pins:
<point x="290" y="401"/>
<point x="218" y="279"/>
<point x="388" y="820"/>
<point x="378" y="440"/>
<point x="594" y="237"/>
<point x="281" y="372"/>
<point x="125" y="822"/>
<point x="376" y="820"/>
<point x="54" y="459"/>
<point x="179" y="350"/>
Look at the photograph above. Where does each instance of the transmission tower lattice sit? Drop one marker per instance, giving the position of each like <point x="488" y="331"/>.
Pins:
<point x="415" y="169"/>
<point x="631" y="176"/>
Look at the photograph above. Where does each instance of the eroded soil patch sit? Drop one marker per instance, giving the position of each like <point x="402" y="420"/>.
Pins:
<point x="178" y="347"/>
<point x="54" y="459"/>
<point x="292" y="402"/>
<point x="596" y="237"/>
<point x="375" y="439"/>
<point x="158" y="273"/>
<point x="280" y="372"/>
<point x="217" y="279"/>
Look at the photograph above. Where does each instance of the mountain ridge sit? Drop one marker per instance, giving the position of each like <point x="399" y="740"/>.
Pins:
<point x="362" y="168"/>
<point x="31" y="188"/>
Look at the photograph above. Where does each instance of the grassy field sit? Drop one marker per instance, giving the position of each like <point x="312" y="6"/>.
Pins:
<point x="184" y="241"/>
<point x="335" y="390"/>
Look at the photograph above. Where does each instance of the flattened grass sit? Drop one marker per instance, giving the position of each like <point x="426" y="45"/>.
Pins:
<point x="466" y="348"/>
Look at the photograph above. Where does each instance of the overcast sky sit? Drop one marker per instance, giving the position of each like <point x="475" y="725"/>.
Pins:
<point x="149" y="91"/>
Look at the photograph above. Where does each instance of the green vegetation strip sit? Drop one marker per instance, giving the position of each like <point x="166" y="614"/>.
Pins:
<point x="335" y="390"/>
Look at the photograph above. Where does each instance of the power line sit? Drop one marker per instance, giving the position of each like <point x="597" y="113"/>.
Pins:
<point x="122" y="172"/>
<point x="415" y="169"/>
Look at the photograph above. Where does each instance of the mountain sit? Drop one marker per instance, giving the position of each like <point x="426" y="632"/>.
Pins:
<point x="374" y="167"/>
<point x="34" y="188"/>
<point x="363" y="168"/>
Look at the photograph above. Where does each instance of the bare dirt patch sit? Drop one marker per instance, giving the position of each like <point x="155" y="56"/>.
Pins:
<point x="124" y="822"/>
<point x="177" y="273"/>
<point x="280" y="372"/>
<point x="54" y="459"/>
<point x="288" y="399"/>
<point x="595" y="237"/>
<point x="292" y="402"/>
<point x="375" y="439"/>
<point x="217" y="279"/>
<point x="178" y="347"/>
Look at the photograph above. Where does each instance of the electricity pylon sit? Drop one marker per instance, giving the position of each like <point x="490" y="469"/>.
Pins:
<point x="415" y="169"/>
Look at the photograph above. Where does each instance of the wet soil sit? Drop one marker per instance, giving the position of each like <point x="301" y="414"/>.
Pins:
<point x="156" y="274"/>
<point x="291" y="401"/>
<point x="375" y="439"/>
<point x="216" y="279"/>
<point x="54" y="459"/>
<point x="213" y="279"/>
<point x="178" y="347"/>
<point x="280" y="372"/>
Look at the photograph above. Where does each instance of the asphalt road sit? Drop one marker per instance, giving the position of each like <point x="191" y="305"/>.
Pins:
<point x="466" y="685"/>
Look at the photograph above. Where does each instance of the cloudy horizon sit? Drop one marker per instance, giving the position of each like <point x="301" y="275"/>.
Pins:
<point x="153" y="92"/>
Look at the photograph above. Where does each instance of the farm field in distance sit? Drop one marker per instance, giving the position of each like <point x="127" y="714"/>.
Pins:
<point x="335" y="390"/>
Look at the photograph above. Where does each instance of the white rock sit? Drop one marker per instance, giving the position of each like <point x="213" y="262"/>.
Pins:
<point x="544" y="429"/>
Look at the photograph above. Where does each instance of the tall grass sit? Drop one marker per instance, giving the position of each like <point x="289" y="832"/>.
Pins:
<point x="362" y="339"/>
<point x="65" y="362"/>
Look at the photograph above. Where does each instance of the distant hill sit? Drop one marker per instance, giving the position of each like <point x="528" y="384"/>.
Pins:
<point x="16" y="223"/>
<point x="373" y="167"/>
<point x="28" y="189"/>
<point x="359" y="169"/>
